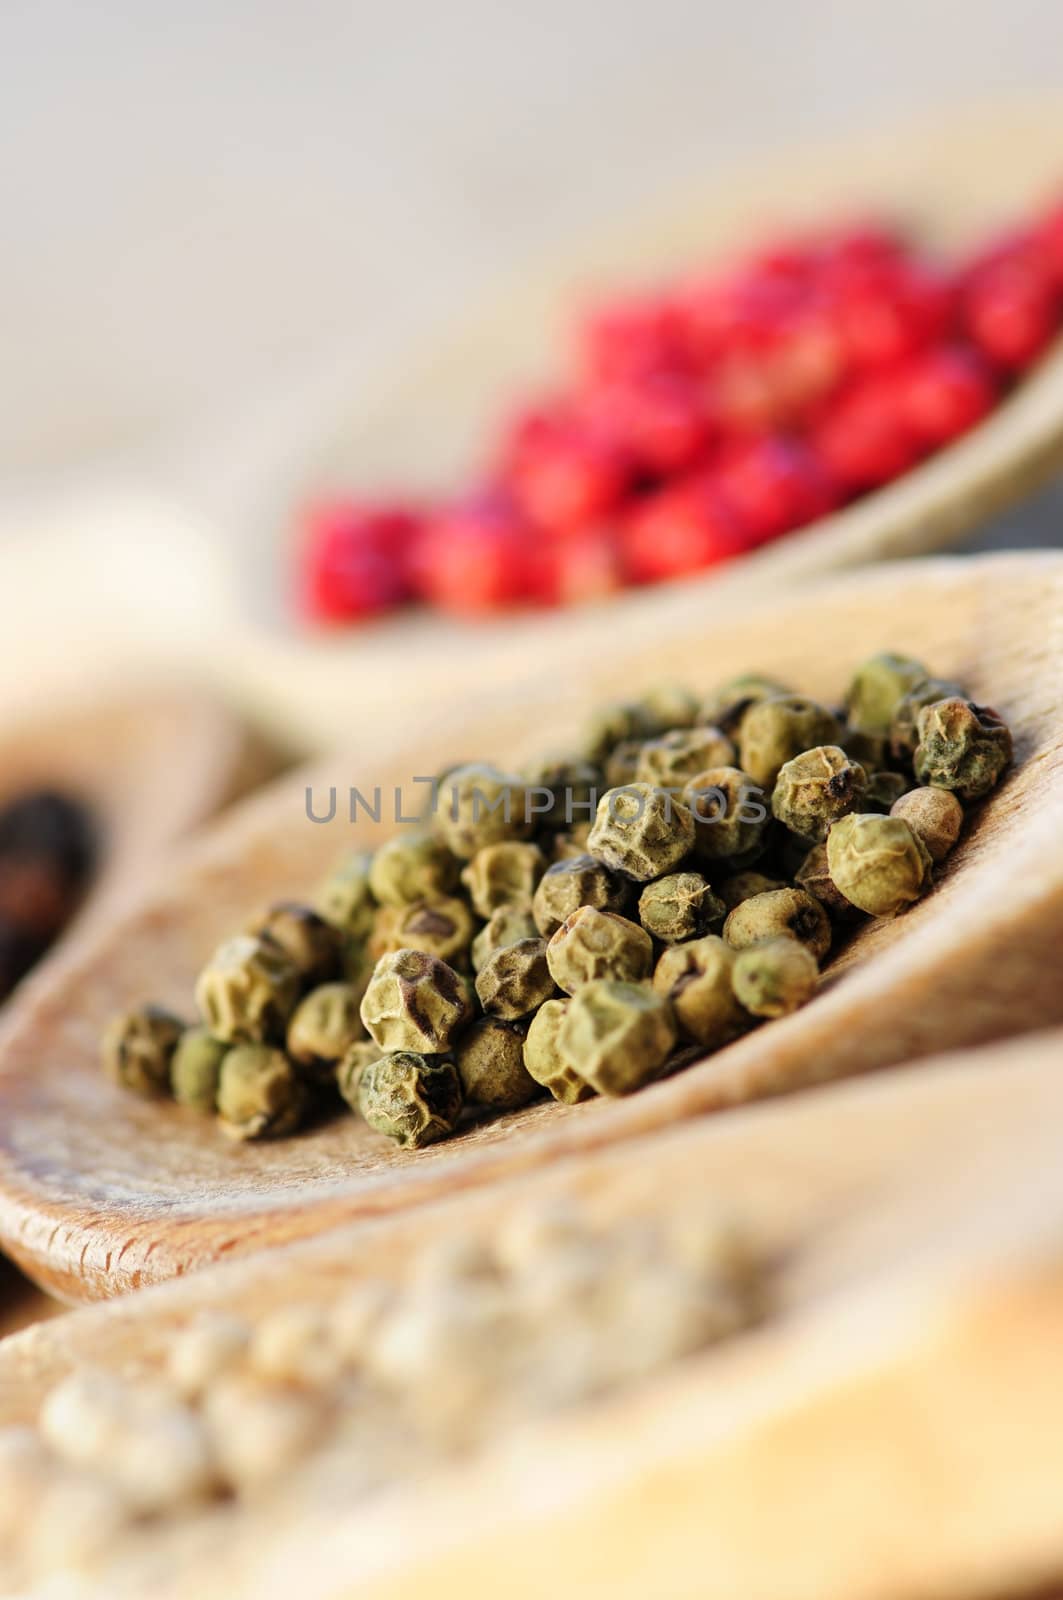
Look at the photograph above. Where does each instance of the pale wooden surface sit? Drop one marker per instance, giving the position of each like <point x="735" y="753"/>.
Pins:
<point x="890" y="1433"/>
<point x="100" y="1192"/>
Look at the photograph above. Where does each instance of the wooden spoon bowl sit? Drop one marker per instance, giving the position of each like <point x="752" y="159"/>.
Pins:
<point x="149" y="768"/>
<point x="101" y="1192"/>
<point x="904" y="1378"/>
<point x="425" y="424"/>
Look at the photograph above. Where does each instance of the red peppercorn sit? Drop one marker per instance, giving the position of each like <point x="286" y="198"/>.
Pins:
<point x="585" y="567"/>
<point x="568" y="478"/>
<point x="944" y="392"/>
<point x="792" y="261"/>
<point x="630" y="338"/>
<point x="475" y="557"/>
<point x="684" y="528"/>
<point x="711" y="415"/>
<point x="1049" y="234"/>
<point x="782" y="387"/>
<point x="864" y="438"/>
<point x="353" y="559"/>
<point x="705" y="315"/>
<point x="773" y="484"/>
<point x="661" y="424"/>
<point x="858" y="247"/>
<point x="885" y="315"/>
<point x="1011" y="311"/>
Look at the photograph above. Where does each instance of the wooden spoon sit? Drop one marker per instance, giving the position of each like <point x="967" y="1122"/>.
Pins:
<point x="150" y="767"/>
<point x="889" y="1431"/>
<point x="205" y="571"/>
<point x="953" y="181"/>
<point x="101" y="1192"/>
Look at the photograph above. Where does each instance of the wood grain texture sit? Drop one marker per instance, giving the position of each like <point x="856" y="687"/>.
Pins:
<point x="430" y="420"/>
<point x="889" y="1433"/>
<point x="100" y="1192"/>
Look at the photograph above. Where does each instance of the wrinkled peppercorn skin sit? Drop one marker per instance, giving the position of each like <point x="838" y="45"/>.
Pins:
<point x="962" y="746"/>
<point x="415" y="1002"/>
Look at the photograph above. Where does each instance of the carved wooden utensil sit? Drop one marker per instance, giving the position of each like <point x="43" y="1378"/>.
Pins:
<point x="426" y="422"/>
<point x="101" y="1192"/>
<point x="890" y="1430"/>
<point x="149" y="767"/>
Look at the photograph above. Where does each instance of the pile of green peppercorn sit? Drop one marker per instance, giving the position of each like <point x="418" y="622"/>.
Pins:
<point x="590" y="924"/>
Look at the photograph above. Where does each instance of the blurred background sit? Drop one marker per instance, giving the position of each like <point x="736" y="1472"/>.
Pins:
<point x="225" y="227"/>
<point x="209" y="210"/>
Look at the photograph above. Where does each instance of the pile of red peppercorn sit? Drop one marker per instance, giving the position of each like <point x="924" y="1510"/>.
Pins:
<point x="706" y="418"/>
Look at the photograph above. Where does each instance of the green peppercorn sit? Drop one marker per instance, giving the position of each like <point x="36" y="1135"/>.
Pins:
<point x="883" y="790"/>
<point x="962" y="746"/>
<point x="744" y="885"/>
<point x="617" y="1036"/>
<point x="571" y="843"/>
<point x="728" y="703"/>
<point x="137" y="1049"/>
<point x="490" y="1062"/>
<point x="813" y="876"/>
<point x="696" y="979"/>
<point x="592" y="944"/>
<point x="349" y="1071"/>
<point x="314" y="945"/>
<point x="415" y="1002"/>
<point x="731" y="815"/>
<point x="680" y="906"/>
<point x="904" y="729"/>
<point x="507" y="925"/>
<point x="441" y="927"/>
<point x="879" y="863"/>
<point x="775" y="977"/>
<point x="872" y="750"/>
<point x="609" y="725"/>
<point x="247" y="991"/>
<point x="500" y="874"/>
<point x="413" y="1098"/>
<point x="412" y="867"/>
<point x="773" y="731"/>
<point x="669" y="705"/>
<point x="567" y="885"/>
<point x="671" y="760"/>
<point x="384" y="936"/>
<point x="622" y="763"/>
<point x="544" y="1061"/>
<point x="260" y="1093"/>
<point x="935" y="815"/>
<point x="196" y="1068"/>
<point x="323" y="1027"/>
<point x="641" y="832"/>
<point x="814" y="789"/>
<point x="357" y="966"/>
<point x="780" y="912"/>
<point x="480" y="805"/>
<point x="345" y="898"/>
<point x="515" y="979"/>
<point x="562" y="790"/>
<point x="877" y="687"/>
